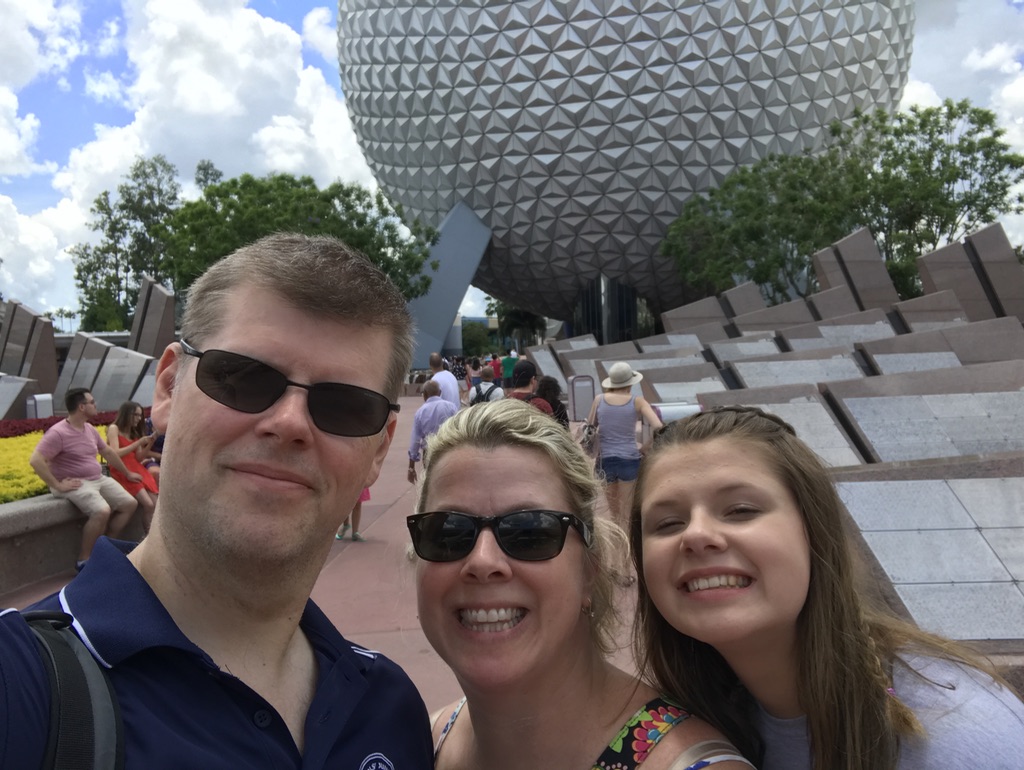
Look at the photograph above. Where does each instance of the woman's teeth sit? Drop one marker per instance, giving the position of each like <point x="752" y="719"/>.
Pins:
<point x="491" y="620"/>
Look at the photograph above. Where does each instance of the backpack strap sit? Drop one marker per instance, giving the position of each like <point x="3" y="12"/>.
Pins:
<point x="86" y="732"/>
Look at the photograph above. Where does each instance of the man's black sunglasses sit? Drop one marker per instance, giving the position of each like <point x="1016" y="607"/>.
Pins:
<point x="522" y="535"/>
<point x="252" y="386"/>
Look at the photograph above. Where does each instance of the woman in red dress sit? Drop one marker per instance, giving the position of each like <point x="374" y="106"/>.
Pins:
<point x="126" y="436"/>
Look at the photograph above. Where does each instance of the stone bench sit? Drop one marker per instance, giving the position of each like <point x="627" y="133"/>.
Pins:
<point x="40" y="537"/>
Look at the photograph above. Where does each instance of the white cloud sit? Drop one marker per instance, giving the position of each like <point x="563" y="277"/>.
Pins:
<point x="318" y="32"/>
<point x="474" y="304"/>
<point x="104" y="87"/>
<point x="37" y="37"/>
<point x="17" y="137"/>
<point x="109" y="42"/>
<point x="921" y="94"/>
<point x="1001" y="58"/>
<point x="27" y="250"/>
<point x="205" y="79"/>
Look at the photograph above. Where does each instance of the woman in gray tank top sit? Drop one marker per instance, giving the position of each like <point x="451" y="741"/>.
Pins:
<point x="616" y="412"/>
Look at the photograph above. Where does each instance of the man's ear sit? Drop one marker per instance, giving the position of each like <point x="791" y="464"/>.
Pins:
<point x="166" y="378"/>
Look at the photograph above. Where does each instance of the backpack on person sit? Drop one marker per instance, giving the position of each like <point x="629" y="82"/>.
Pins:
<point x="481" y="397"/>
<point x="86" y="732"/>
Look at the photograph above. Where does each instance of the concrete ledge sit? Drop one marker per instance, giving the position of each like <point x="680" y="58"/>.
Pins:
<point x="40" y="537"/>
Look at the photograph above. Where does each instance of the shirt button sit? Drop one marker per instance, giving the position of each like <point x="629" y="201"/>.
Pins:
<point x="262" y="719"/>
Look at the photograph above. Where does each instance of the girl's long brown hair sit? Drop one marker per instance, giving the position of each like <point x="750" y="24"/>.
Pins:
<point x="846" y="648"/>
<point x="125" y="420"/>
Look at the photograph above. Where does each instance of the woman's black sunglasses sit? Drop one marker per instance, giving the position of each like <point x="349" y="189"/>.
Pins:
<point x="252" y="386"/>
<point x="522" y="535"/>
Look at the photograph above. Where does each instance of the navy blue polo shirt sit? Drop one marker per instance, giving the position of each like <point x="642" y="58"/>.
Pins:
<point x="181" y="711"/>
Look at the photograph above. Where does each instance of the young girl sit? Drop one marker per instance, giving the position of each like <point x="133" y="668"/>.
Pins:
<point x="127" y="436"/>
<point x="748" y="615"/>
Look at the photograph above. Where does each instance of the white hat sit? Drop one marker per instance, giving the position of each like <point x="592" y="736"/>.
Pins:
<point x="621" y="375"/>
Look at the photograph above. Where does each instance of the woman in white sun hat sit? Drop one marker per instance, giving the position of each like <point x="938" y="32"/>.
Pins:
<point x="616" y="413"/>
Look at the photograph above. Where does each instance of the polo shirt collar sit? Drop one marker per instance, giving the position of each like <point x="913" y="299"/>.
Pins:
<point x="138" y="620"/>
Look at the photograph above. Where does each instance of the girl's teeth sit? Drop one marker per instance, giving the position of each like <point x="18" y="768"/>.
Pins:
<point x="717" y="581"/>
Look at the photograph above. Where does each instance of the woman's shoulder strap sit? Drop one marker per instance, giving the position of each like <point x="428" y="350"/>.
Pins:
<point x="448" y="725"/>
<point x="634" y="741"/>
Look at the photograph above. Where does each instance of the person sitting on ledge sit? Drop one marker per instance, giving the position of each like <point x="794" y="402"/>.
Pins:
<point x="126" y="436"/>
<point x="65" y="459"/>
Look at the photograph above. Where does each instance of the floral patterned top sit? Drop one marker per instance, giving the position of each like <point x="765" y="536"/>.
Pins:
<point x="631" y="745"/>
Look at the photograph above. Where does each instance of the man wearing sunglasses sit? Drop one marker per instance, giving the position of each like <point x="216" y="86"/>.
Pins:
<point x="278" y="409"/>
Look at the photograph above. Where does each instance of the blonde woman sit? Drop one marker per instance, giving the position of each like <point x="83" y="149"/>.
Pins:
<point x="515" y="595"/>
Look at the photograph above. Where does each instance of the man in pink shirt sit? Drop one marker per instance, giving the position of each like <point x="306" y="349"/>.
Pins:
<point x="65" y="458"/>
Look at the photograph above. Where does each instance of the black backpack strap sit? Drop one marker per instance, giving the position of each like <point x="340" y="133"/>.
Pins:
<point x="86" y="732"/>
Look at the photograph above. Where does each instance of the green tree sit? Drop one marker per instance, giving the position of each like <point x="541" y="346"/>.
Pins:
<point x="918" y="180"/>
<point x="101" y="270"/>
<point x="520" y="326"/>
<point x="207" y="174"/>
<point x="937" y="175"/>
<point x="60" y="315"/>
<point x="475" y="340"/>
<point x="108" y="273"/>
<point x="238" y="211"/>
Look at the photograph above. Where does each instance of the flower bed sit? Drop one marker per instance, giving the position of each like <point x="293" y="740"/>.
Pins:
<point x="17" y="440"/>
<point x="17" y="479"/>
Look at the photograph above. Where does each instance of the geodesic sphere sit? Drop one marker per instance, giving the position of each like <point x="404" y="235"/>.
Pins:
<point x="577" y="129"/>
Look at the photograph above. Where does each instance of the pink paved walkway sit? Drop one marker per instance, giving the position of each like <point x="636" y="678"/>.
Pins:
<point x="368" y="589"/>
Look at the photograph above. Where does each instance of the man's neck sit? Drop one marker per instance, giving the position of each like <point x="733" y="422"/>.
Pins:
<point x="247" y="630"/>
<point x="77" y="420"/>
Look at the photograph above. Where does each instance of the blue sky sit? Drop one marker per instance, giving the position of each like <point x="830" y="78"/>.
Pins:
<point x="87" y="85"/>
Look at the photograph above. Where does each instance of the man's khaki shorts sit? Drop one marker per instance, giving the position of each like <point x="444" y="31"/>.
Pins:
<point x="98" y="495"/>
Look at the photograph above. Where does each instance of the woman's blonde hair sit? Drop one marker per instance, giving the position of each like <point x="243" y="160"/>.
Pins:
<point x="510" y="422"/>
<point x="846" y="649"/>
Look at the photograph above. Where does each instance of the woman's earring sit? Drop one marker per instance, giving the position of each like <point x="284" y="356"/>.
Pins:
<point x="588" y="610"/>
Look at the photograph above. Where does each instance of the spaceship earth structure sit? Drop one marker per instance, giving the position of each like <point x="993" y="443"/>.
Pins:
<point x="576" y="129"/>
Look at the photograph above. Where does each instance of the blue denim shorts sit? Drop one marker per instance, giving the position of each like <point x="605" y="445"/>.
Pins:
<point x="619" y="468"/>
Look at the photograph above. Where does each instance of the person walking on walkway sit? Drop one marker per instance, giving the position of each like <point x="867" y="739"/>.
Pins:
<point x="278" y="409"/>
<point x="428" y="419"/>
<point x="616" y="413"/>
<point x="524" y="386"/>
<point x="445" y="380"/>
<point x="487" y="389"/>
<point x="65" y="459"/>
<point x="508" y="364"/>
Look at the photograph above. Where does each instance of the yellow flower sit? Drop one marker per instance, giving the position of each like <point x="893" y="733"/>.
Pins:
<point x="17" y="479"/>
